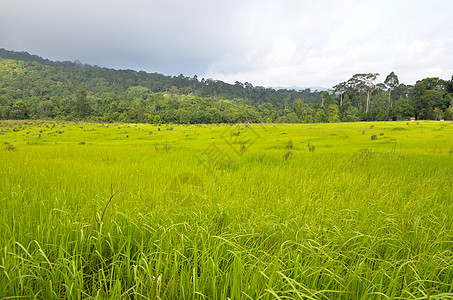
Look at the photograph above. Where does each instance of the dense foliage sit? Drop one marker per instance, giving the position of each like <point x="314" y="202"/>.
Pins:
<point x="35" y="88"/>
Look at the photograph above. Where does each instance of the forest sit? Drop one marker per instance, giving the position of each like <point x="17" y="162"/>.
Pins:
<point x="35" y="88"/>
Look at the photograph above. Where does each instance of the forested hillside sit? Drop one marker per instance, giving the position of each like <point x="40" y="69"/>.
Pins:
<point x="35" y="88"/>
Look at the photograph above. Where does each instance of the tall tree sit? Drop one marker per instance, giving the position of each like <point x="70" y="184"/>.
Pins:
<point x="403" y="109"/>
<point x="341" y="88"/>
<point x="326" y="98"/>
<point x="364" y="83"/>
<point x="81" y="107"/>
<point x="391" y="82"/>
<point x="428" y="94"/>
<point x="449" y="85"/>
<point x="333" y="113"/>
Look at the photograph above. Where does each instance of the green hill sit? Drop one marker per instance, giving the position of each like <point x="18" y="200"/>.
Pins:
<point x="47" y="89"/>
<point x="35" y="88"/>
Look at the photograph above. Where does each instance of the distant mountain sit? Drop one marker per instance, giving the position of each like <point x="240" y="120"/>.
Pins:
<point x="298" y="88"/>
<point x="34" y="87"/>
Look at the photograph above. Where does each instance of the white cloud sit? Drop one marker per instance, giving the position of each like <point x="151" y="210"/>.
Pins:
<point x="265" y="42"/>
<point x="323" y="46"/>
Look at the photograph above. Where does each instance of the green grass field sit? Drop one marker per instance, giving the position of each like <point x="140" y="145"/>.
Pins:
<point x="313" y="211"/>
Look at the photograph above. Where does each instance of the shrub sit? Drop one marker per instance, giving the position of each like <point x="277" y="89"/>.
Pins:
<point x="9" y="147"/>
<point x="288" y="154"/>
<point x="243" y="148"/>
<point x="290" y="145"/>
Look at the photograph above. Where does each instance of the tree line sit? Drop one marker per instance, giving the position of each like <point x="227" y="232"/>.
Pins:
<point x="35" y="88"/>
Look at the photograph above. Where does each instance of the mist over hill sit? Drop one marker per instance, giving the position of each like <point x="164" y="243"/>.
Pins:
<point x="299" y="88"/>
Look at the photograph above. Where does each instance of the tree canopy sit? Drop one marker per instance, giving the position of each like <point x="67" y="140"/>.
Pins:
<point x="37" y="88"/>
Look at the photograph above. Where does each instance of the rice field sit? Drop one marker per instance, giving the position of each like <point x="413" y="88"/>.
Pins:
<point x="308" y="211"/>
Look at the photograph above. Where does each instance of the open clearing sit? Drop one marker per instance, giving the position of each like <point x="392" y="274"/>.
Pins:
<point x="315" y="211"/>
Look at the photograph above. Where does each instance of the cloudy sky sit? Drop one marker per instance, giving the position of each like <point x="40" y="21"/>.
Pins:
<point x="269" y="43"/>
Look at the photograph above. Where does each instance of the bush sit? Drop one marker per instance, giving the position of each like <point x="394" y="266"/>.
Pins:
<point x="308" y="119"/>
<point x="9" y="147"/>
<point x="290" y="145"/>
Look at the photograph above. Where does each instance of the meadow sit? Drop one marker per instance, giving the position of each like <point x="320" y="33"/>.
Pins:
<point x="307" y="211"/>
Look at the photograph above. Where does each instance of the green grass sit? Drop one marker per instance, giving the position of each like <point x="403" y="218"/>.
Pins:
<point x="197" y="218"/>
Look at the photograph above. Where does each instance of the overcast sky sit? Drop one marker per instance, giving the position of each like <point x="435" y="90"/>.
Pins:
<point x="269" y="43"/>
